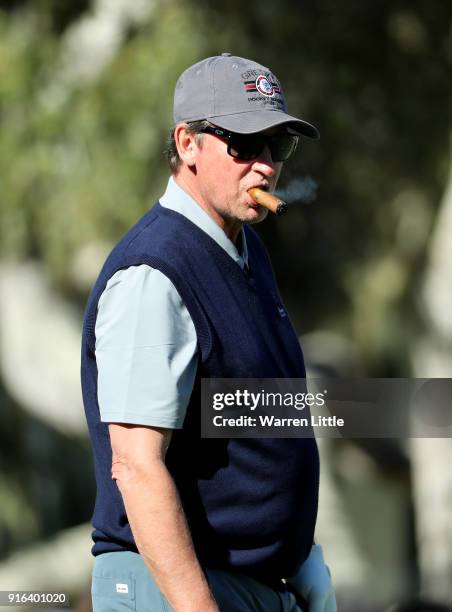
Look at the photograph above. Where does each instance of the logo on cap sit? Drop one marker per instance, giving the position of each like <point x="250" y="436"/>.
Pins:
<point x="263" y="85"/>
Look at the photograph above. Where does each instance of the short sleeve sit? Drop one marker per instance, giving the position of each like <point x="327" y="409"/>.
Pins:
<point x="146" y="350"/>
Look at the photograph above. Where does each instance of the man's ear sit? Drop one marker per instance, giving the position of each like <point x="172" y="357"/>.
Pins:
<point x="186" y="144"/>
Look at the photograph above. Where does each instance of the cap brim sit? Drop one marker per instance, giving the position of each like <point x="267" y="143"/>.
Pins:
<point x="257" y="121"/>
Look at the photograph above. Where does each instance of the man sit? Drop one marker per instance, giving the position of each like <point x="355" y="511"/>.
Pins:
<point x="181" y="522"/>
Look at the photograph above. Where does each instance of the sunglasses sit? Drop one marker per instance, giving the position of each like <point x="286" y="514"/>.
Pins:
<point x="249" y="146"/>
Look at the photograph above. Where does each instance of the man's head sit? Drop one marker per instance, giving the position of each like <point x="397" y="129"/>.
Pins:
<point x="232" y="132"/>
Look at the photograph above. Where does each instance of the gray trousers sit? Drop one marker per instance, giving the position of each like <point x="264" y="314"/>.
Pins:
<point x="122" y="582"/>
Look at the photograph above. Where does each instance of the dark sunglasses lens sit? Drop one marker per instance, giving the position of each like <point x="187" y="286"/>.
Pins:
<point x="246" y="147"/>
<point x="282" y="146"/>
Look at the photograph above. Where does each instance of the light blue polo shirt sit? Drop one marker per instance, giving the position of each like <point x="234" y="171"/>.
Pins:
<point x="146" y="345"/>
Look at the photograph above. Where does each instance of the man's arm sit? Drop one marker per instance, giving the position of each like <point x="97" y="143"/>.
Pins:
<point x="156" y="516"/>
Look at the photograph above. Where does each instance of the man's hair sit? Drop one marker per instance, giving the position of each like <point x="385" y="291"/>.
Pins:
<point x="172" y="154"/>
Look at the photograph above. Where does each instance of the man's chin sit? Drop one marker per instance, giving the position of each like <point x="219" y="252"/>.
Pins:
<point x="256" y="214"/>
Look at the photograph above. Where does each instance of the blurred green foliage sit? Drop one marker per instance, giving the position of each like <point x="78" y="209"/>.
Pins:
<point x="82" y="159"/>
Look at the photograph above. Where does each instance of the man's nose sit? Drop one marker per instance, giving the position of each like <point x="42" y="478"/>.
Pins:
<point x="264" y="163"/>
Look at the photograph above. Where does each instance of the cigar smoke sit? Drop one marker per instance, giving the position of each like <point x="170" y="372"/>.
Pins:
<point x="299" y="190"/>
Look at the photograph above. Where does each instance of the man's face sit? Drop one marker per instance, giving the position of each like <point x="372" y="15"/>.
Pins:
<point x="223" y="181"/>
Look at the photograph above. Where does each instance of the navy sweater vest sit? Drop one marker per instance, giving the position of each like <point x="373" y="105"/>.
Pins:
<point x="251" y="503"/>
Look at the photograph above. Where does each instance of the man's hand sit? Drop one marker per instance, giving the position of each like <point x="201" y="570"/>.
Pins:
<point x="313" y="583"/>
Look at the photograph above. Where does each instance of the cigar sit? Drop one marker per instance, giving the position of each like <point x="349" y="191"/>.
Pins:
<point x="268" y="200"/>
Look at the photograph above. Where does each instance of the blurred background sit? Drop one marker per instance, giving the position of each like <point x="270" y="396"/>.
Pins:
<point x="364" y="258"/>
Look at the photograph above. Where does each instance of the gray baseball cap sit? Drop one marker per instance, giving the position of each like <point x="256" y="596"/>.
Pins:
<point x="236" y="94"/>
